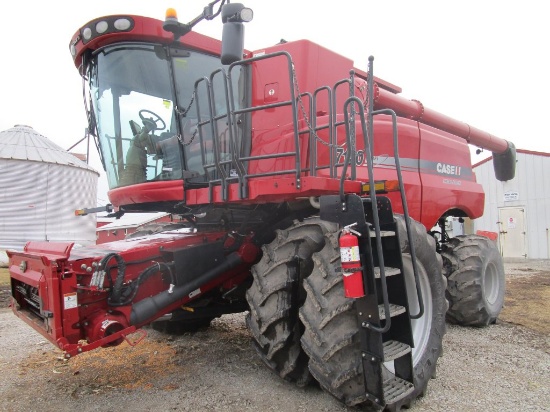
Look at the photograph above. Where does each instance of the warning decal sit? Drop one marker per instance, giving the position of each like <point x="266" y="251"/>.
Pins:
<point x="70" y="301"/>
<point x="349" y="254"/>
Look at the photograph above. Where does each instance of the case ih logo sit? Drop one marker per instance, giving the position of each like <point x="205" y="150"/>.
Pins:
<point x="448" y="169"/>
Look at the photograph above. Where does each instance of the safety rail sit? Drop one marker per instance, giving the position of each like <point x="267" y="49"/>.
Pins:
<point x="348" y="115"/>
<point x="369" y="141"/>
<point x="297" y="170"/>
<point x="216" y="170"/>
<point x="222" y="177"/>
<point x="314" y="166"/>
<point x="238" y="159"/>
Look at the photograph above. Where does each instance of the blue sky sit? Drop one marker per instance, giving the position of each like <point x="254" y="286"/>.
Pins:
<point x="482" y="62"/>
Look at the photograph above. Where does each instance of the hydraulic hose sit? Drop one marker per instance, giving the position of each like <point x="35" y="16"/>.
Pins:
<point x="129" y="293"/>
<point x="150" y="308"/>
<point x="121" y="269"/>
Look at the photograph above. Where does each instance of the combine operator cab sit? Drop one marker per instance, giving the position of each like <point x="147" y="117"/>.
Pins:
<point x="143" y="96"/>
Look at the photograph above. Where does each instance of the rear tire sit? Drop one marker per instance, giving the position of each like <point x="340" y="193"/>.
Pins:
<point x="276" y="294"/>
<point x="476" y="280"/>
<point x="331" y="337"/>
<point x="180" y="327"/>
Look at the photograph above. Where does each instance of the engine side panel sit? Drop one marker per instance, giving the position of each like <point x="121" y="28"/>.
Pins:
<point x="448" y="181"/>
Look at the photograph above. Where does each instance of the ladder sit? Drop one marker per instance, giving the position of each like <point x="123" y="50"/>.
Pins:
<point x="383" y="311"/>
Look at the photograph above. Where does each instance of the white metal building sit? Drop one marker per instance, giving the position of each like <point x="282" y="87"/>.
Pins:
<point x="519" y="209"/>
<point x="41" y="186"/>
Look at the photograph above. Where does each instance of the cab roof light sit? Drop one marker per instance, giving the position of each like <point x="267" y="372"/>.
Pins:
<point x="86" y="33"/>
<point x="172" y="24"/>
<point x="171" y="14"/>
<point x="106" y="25"/>
<point x="101" y="27"/>
<point x="123" y="24"/>
<point x="231" y="12"/>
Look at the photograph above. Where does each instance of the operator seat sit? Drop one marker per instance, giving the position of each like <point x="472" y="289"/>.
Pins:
<point x="168" y="149"/>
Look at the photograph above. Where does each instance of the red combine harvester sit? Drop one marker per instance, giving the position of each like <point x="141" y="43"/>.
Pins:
<point x="301" y="189"/>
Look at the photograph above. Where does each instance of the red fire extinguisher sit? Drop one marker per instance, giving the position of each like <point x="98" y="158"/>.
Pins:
<point x="351" y="263"/>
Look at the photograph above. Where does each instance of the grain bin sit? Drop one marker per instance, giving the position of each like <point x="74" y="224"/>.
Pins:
<point x="41" y="185"/>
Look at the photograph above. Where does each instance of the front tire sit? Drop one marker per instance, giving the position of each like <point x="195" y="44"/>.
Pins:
<point x="331" y="338"/>
<point x="276" y="294"/>
<point x="476" y="280"/>
<point x="181" y="327"/>
<point x="183" y="322"/>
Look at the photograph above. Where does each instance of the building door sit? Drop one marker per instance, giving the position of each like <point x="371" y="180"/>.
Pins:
<point x="512" y="235"/>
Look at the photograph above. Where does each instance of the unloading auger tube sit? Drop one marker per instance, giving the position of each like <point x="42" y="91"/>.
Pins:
<point x="504" y="152"/>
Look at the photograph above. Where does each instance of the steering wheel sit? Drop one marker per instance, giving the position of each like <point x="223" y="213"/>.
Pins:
<point x="152" y="123"/>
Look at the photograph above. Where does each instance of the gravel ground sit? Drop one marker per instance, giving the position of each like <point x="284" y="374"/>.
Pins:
<point x="504" y="367"/>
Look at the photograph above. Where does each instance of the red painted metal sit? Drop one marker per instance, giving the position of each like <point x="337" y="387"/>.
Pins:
<point x="81" y="319"/>
<point x="415" y="110"/>
<point x="491" y="235"/>
<point x="104" y="324"/>
<point x="44" y="267"/>
<point x="166" y="191"/>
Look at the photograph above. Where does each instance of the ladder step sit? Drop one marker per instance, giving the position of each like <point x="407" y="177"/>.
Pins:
<point x="394" y="311"/>
<point x="394" y="349"/>
<point x="396" y="389"/>
<point x="387" y="270"/>
<point x="383" y="233"/>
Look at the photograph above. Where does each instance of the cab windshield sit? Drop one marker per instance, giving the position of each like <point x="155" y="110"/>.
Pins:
<point x="145" y="111"/>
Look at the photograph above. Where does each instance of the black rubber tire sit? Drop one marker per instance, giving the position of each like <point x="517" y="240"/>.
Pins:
<point x="476" y="280"/>
<point x="331" y="338"/>
<point x="276" y="295"/>
<point x="180" y="327"/>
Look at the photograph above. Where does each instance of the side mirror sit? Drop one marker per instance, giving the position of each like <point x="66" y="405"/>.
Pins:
<point x="233" y="17"/>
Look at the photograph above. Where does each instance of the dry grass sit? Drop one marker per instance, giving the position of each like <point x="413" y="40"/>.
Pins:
<point x="151" y="364"/>
<point x="115" y="367"/>
<point x="4" y="277"/>
<point x="527" y="302"/>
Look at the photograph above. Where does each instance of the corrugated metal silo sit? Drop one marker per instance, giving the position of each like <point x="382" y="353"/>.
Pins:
<point x="41" y="185"/>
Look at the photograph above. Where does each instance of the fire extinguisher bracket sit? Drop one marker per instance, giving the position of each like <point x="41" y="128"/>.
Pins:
<point x="348" y="270"/>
